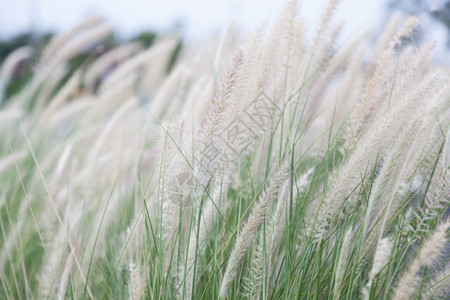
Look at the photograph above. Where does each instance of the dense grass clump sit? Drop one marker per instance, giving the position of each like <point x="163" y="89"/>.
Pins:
<point x="270" y="167"/>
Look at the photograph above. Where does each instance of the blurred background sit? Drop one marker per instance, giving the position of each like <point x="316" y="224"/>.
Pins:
<point x="197" y="20"/>
<point x="34" y="22"/>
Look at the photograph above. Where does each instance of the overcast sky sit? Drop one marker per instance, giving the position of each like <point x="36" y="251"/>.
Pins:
<point x="199" y="18"/>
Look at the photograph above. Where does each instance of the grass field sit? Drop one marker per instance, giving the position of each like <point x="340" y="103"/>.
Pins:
<point x="260" y="167"/>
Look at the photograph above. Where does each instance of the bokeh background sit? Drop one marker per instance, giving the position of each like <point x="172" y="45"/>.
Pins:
<point x="34" y="22"/>
<point x="199" y="19"/>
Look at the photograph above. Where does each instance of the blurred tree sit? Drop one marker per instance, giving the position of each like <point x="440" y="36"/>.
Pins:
<point x="8" y="46"/>
<point x="23" y="70"/>
<point x="147" y="38"/>
<point x="442" y="14"/>
<point x="437" y="10"/>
